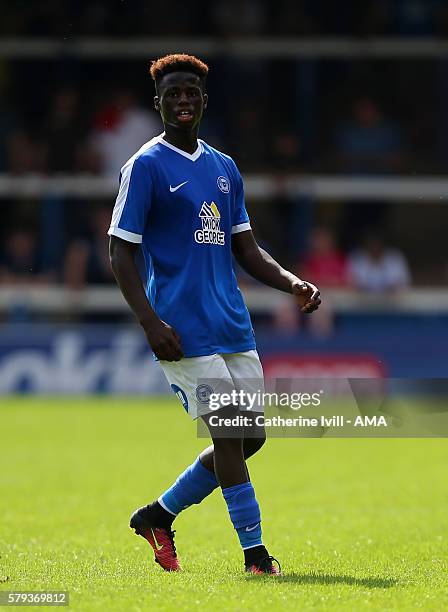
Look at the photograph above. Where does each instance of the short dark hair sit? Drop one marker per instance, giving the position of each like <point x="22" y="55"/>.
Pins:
<point x="177" y="62"/>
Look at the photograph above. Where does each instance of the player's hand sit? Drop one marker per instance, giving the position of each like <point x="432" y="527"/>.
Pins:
<point x="164" y="341"/>
<point x="307" y="295"/>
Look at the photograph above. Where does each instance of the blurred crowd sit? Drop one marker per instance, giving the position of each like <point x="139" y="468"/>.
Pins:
<point x="364" y="116"/>
<point x="371" y="267"/>
<point x="72" y="130"/>
<point x="69" y="115"/>
<point x="67" y="140"/>
<point x="72" y="138"/>
<point x="223" y="18"/>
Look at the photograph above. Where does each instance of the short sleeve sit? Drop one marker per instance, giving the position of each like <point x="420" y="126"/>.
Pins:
<point x="240" y="221"/>
<point x="133" y="202"/>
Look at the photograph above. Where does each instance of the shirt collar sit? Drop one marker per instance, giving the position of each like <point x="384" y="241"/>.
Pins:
<point x="191" y="156"/>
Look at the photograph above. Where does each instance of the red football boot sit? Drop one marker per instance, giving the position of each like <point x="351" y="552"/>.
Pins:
<point x="161" y="540"/>
<point x="265" y="566"/>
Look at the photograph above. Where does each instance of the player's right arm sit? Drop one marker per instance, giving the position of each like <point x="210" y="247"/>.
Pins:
<point x="126" y="234"/>
<point x="162" y="338"/>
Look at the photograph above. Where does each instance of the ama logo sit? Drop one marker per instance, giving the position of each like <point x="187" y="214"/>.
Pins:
<point x="210" y="232"/>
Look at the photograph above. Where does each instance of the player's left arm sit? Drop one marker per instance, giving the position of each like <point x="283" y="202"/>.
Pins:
<point x="261" y="266"/>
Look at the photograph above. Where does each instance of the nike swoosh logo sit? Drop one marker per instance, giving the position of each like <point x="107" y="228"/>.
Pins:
<point x="252" y="528"/>
<point x="173" y="189"/>
<point x="156" y="544"/>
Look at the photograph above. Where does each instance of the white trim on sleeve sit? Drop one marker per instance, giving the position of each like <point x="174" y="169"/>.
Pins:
<point x="126" y="172"/>
<point x="125" y="235"/>
<point x="242" y="227"/>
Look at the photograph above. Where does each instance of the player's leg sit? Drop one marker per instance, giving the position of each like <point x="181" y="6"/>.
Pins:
<point x="155" y="520"/>
<point x="238" y="492"/>
<point x="248" y="379"/>
<point x="199" y="479"/>
<point x="196" y="482"/>
<point x="229" y="463"/>
<point x="252" y="443"/>
<point x="225" y="373"/>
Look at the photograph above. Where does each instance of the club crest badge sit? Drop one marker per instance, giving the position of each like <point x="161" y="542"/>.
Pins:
<point x="223" y="184"/>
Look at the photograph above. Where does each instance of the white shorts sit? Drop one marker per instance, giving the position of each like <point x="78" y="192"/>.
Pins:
<point x="195" y="379"/>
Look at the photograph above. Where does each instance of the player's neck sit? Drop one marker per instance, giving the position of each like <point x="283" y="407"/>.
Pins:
<point x="186" y="141"/>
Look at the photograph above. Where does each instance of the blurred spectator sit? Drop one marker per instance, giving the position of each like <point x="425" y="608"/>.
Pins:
<point x="20" y="260"/>
<point x="121" y="128"/>
<point x="87" y="260"/>
<point x="248" y="148"/>
<point x="325" y="265"/>
<point x="25" y="153"/>
<point x="368" y="143"/>
<point x="63" y="130"/>
<point x="286" y="152"/>
<point x="377" y="269"/>
<point x="286" y="317"/>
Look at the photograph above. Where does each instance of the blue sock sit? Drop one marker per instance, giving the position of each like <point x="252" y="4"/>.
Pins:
<point x="191" y="487"/>
<point x="244" y="513"/>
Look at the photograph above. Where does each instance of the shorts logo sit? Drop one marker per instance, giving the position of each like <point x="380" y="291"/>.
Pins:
<point x="210" y="233"/>
<point x="203" y="393"/>
<point x="223" y="184"/>
<point x="181" y="395"/>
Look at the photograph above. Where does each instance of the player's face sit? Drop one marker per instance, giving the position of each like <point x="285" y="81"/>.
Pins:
<point x="181" y="100"/>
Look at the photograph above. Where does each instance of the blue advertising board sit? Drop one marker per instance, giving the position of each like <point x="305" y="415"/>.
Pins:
<point x="82" y="359"/>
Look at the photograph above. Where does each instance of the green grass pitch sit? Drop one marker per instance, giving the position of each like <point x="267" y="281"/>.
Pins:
<point x="356" y="524"/>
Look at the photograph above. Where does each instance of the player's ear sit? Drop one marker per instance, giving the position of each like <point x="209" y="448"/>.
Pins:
<point x="205" y="98"/>
<point x="157" y="103"/>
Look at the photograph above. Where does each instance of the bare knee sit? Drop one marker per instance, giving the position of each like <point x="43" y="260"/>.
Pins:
<point x="228" y="446"/>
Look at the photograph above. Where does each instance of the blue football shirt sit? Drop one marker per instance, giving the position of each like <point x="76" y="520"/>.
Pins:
<point x="183" y="210"/>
